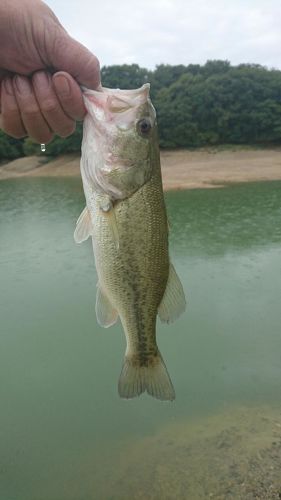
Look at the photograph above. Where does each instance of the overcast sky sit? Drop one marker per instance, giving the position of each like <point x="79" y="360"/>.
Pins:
<point x="151" y="32"/>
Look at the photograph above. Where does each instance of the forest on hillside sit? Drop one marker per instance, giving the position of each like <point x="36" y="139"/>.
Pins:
<point x="197" y="105"/>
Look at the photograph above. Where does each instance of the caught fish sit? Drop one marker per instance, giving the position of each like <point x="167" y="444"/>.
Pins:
<point x="126" y="218"/>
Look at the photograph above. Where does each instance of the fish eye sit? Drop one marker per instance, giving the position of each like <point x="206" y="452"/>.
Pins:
<point x="144" y="126"/>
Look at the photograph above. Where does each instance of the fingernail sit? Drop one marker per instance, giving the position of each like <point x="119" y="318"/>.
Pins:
<point x="8" y="86"/>
<point x="22" y="85"/>
<point x="41" y="80"/>
<point x="62" y="85"/>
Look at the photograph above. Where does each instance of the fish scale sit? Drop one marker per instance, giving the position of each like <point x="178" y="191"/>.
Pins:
<point x="136" y="274"/>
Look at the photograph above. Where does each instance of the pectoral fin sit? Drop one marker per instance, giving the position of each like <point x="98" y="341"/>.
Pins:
<point x="106" y="314"/>
<point x="83" y="227"/>
<point x="173" y="302"/>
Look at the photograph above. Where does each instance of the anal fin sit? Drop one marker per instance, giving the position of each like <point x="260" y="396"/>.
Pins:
<point x="106" y="314"/>
<point x="173" y="302"/>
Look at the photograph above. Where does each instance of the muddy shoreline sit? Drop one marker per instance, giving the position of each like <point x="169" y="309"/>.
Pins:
<point x="181" y="169"/>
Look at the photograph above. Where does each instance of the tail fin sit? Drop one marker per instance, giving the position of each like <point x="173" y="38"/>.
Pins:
<point x="153" y="378"/>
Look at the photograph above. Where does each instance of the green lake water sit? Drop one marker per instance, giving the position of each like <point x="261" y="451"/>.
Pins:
<point x="64" y="432"/>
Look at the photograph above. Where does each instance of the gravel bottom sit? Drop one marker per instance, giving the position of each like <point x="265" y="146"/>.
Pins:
<point x="232" y="455"/>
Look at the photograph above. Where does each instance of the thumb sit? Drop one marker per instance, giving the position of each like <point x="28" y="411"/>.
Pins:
<point x="74" y="58"/>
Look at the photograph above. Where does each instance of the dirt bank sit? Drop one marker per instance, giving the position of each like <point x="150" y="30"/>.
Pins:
<point x="181" y="169"/>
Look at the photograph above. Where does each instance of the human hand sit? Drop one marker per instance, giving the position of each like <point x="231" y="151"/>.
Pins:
<point x="41" y="68"/>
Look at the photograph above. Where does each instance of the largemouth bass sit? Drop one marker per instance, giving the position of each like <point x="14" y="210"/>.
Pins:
<point x="126" y="217"/>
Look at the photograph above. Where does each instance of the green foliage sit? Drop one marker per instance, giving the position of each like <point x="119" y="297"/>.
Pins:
<point x="164" y="75"/>
<point x="221" y="104"/>
<point x="196" y="105"/>
<point x="10" y="148"/>
<point x="125" y="76"/>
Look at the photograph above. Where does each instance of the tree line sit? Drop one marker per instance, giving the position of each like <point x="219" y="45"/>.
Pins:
<point x="197" y="105"/>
